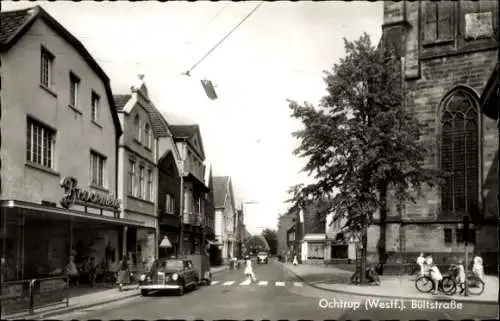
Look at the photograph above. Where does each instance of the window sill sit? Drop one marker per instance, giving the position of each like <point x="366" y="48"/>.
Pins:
<point x="47" y="89"/>
<point x="100" y="188"/>
<point x="96" y="123"/>
<point x="75" y="109"/>
<point x="140" y="199"/>
<point x="439" y="42"/>
<point x="43" y="169"/>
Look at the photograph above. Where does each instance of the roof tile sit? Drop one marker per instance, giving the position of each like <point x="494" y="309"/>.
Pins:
<point x="121" y="101"/>
<point x="11" y="21"/>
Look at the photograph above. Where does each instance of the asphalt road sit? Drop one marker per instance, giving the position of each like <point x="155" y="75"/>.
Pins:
<point x="287" y="299"/>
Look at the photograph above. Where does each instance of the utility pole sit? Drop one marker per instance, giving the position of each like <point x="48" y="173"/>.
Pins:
<point x="466" y="243"/>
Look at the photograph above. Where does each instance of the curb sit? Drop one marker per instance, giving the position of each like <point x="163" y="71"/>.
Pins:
<point x="386" y="296"/>
<point x="55" y="312"/>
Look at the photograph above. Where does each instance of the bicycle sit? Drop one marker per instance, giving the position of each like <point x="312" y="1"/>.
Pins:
<point x="447" y="285"/>
<point x="475" y="284"/>
<point x="370" y="275"/>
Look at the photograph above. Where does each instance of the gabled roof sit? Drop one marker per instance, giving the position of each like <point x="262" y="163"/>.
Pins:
<point x="186" y="132"/>
<point x="14" y="25"/>
<point x="158" y="123"/>
<point x="121" y="101"/>
<point x="221" y="190"/>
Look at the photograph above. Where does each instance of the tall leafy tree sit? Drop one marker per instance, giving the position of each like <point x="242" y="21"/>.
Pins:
<point x="361" y="142"/>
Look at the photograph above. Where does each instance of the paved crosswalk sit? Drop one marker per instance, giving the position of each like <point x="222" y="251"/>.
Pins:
<point x="257" y="283"/>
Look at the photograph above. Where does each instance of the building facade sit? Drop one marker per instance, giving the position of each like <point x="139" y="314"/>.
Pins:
<point x="59" y="159"/>
<point x="449" y="50"/>
<point x="225" y="215"/>
<point x="142" y="147"/>
<point x="194" y="191"/>
<point x="286" y="233"/>
<point x="339" y="246"/>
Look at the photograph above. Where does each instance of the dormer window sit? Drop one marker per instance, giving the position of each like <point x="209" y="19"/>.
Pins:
<point x="147" y="134"/>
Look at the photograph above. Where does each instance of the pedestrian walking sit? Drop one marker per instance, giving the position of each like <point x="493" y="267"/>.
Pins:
<point x="123" y="273"/>
<point x="295" y="260"/>
<point x="478" y="268"/>
<point x="421" y="262"/>
<point x="72" y="271"/>
<point x="249" y="270"/>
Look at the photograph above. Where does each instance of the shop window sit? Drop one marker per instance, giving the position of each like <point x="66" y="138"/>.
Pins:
<point x="459" y="154"/>
<point x="438" y="23"/>
<point x="40" y="141"/>
<point x="448" y="236"/>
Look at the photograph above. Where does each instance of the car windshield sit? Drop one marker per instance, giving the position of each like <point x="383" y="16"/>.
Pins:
<point x="173" y="265"/>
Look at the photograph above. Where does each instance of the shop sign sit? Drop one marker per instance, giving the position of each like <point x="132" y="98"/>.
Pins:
<point x="76" y="195"/>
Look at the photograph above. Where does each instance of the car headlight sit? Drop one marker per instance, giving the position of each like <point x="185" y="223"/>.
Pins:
<point x="175" y="276"/>
<point x="142" y="278"/>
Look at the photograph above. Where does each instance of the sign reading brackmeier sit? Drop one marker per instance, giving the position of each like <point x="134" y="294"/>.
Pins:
<point x="78" y="196"/>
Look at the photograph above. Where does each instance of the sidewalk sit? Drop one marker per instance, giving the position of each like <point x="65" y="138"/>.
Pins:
<point x="402" y="287"/>
<point x="84" y="298"/>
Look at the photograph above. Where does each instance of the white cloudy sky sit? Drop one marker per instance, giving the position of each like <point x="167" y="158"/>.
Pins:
<point x="279" y="53"/>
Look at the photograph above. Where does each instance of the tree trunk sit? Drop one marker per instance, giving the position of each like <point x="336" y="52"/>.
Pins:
<point x="381" y="245"/>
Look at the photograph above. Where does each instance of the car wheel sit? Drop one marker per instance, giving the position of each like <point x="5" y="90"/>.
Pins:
<point x="181" y="290"/>
<point x="144" y="292"/>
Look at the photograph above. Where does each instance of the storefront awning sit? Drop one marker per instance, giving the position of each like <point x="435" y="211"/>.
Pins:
<point x="165" y="242"/>
<point x="62" y="213"/>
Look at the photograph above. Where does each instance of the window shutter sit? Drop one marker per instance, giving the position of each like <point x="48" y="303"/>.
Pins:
<point x="444" y="26"/>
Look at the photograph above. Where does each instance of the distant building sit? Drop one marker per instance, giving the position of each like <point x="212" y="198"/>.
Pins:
<point x="194" y="198"/>
<point x="286" y="222"/>
<point x="225" y="214"/>
<point x="339" y="245"/>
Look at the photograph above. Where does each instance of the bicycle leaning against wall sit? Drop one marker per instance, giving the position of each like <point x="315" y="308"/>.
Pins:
<point x="447" y="285"/>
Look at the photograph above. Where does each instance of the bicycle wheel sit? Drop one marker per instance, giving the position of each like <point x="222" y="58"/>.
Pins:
<point x="424" y="284"/>
<point x="449" y="286"/>
<point x="476" y="285"/>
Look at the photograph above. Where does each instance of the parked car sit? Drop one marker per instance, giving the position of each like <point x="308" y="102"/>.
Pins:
<point x="262" y="257"/>
<point x="169" y="274"/>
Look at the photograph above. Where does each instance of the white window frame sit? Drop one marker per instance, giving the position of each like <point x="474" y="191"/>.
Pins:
<point x="40" y="143"/>
<point x="97" y="175"/>
<point x="131" y="176"/>
<point x="141" y="182"/>
<point x="95" y="106"/>
<point x="74" y="88"/>
<point x="47" y="60"/>
<point x="169" y="204"/>
<point x="149" y="185"/>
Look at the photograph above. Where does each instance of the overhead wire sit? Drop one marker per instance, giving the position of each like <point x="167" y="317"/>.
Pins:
<point x="188" y="72"/>
<point x="204" y="28"/>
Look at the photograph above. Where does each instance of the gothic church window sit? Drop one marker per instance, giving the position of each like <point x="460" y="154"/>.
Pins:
<point x="459" y="154"/>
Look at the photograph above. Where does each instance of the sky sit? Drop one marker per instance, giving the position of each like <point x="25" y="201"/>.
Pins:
<point x="279" y="53"/>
